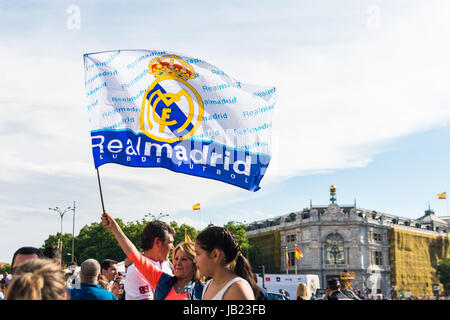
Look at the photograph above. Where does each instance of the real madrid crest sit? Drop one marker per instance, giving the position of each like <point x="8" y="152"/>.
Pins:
<point x="172" y="110"/>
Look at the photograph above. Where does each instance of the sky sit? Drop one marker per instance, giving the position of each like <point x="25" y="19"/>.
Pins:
<point x="362" y="104"/>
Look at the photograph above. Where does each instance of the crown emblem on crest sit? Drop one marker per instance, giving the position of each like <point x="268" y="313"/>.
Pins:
<point x="171" y="65"/>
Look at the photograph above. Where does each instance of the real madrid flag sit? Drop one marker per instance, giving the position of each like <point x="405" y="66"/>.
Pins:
<point x="151" y="108"/>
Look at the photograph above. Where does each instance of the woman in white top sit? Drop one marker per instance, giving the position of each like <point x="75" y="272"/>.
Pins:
<point x="219" y="256"/>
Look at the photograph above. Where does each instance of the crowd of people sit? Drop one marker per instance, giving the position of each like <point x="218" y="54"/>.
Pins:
<point x="212" y="268"/>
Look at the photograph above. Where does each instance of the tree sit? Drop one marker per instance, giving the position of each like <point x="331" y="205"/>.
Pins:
<point x="6" y="267"/>
<point x="96" y="242"/>
<point x="53" y="240"/>
<point x="248" y="250"/>
<point x="180" y="230"/>
<point x="443" y="269"/>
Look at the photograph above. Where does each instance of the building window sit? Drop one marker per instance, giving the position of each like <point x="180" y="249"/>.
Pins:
<point x="291" y="238"/>
<point x="291" y="256"/>
<point x="378" y="255"/>
<point x="378" y="237"/>
<point x="335" y="249"/>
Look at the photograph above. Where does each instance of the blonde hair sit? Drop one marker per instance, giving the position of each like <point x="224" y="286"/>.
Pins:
<point x="302" y="291"/>
<point x="188" y="249"/>
<point x="37" y="279"/>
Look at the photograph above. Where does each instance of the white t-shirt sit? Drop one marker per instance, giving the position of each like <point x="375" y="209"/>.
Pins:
<point x="219" y="295"/>
<point x="136" y="286"/>
<point x="70" y="283"/>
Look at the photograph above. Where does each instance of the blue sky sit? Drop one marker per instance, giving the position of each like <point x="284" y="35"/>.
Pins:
<point x="362" y="103"/>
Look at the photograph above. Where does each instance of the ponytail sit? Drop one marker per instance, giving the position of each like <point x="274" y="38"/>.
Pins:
<point x="242" y="269"/>
<point x="219" y="237"/>
<point x="37" y="279"/>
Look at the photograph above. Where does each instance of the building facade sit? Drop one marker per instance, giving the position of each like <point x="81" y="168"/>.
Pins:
<point x="378" y="248"/>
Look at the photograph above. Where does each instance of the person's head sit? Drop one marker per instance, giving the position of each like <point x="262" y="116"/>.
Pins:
<point x="157" y="240"/>
<point x="37" y="279"/>
<point x="24" y="254"/>
<point x="109" y="269"/>
<point x="302" y="291"/>
<point x="183" y="261"/>
<point x="217" y="247"/>
<point x="90" y="271"/>
<point x="334" y="284"/>
<point x="117" y="287"/>
<point x="53" y="253"/>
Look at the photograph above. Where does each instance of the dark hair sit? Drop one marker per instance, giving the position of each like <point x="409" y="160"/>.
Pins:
<point x="52" y="252"/>
<point x="155" y="229"/>
<point x="333" y="283"/>
<point x="220" y="238"/>
<point x="26" y="251"/>
<point x="106" y="264"/>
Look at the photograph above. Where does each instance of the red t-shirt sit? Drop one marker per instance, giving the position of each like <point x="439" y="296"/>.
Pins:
<point x="152" y="274"/>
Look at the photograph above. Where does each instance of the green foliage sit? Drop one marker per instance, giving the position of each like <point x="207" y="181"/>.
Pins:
<point x="179" y="232"/>
<point x="249" y="251"/>
<point x="6" y="267"/>
<point x="66" y="245"/>
<point x="96" y="242"/>
<point x="444" y="274"/>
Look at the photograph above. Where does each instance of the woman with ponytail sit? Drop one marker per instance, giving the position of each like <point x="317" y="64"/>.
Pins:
<point x="218" y="255"/>
<point x="37" y="279"/>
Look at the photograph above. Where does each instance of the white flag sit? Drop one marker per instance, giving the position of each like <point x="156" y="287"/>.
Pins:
<point x="150" y="108"/>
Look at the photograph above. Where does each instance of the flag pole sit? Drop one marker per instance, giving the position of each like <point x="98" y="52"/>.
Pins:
<point x="287" y="262"/>
<point x="295" y="265"/>
<point x="100" y="188"/>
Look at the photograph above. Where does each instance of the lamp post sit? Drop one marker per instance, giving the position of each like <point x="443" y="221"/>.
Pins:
<point x="73" y="232"/>
<point x="161" y="215"/>
<point x="61" y="214"/>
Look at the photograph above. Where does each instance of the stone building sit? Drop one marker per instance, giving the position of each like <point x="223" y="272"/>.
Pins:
<point x="377" y="247"/>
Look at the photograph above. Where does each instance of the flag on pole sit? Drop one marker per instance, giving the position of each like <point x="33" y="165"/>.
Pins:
<point x="196" y="206"/>
<point x="298" y="254"/>
<point x="186" y="237"/>
<point x="442" y="195"/>
<point x="150" y="108"/>
<point x="287" y="261"/>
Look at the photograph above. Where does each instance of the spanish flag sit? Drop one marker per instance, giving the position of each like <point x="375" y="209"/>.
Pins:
<point x="196" y="206"/>
<point x="287" y="261"/>
<point x="442" y="195"/>
<point x="298" y="254"/>
<point x="186" y="237"/>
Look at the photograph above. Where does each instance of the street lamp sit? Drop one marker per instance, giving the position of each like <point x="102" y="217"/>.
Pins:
<point x="61" y="214"/>
<point x="161" y="215"/>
